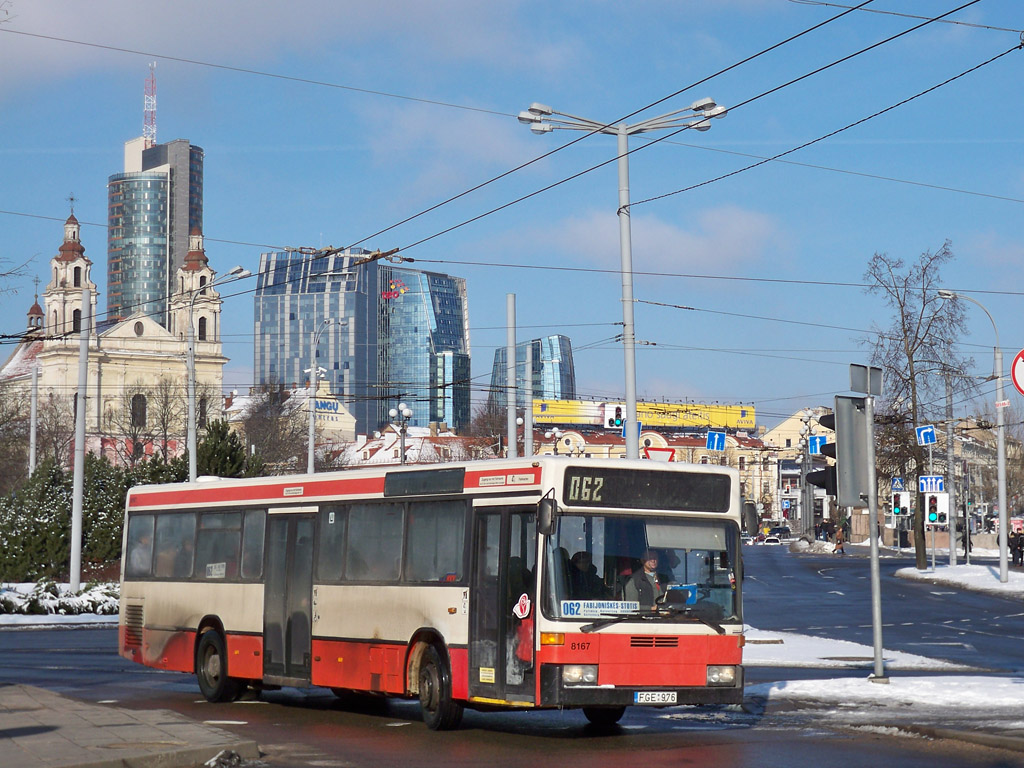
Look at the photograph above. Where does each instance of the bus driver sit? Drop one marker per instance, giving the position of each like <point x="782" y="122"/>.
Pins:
<point x="645" y="585"/>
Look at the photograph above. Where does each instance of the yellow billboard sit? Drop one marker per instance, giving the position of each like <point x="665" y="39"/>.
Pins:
<point x="586" y="413"/>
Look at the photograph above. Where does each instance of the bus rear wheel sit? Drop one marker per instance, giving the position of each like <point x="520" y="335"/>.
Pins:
<point x="604" y="717"/>
<point x="440" y="712"/>
<point x="212" y="669"/>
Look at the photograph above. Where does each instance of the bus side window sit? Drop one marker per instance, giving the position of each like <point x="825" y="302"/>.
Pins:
<point x="331" y="547"/>
<point x="374" y="544"/>
<point x="218" y="544"/>
<point x="252" y="543"/>
<point x="140" y="546"/>
<point x="436" y="533"/>
<point x="175" y="539"/>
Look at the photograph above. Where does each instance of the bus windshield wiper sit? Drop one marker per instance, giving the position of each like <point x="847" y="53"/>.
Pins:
<point x="690" y="612"/>
<point x="614" y="618"/>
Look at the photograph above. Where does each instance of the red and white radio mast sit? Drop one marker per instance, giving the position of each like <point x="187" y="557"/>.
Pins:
<point x="149" y="106"/>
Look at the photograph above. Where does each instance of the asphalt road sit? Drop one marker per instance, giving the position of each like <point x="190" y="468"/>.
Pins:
<point x="830" y="596"/>
<point x="827" y="596"/>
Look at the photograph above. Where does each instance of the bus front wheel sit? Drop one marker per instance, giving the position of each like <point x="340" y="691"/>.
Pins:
<point x="212" y="669"/>
<point x="604" y="717"/>
<point x="440" y="712"/>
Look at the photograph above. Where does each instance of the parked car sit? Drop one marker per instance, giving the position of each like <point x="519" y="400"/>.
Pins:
<point x="782" y="531"/>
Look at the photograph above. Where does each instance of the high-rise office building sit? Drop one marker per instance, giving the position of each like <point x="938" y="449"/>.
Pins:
<point x="295" y="294"/>
<point x="152" y="208"/>
<point x="400" y="335"/>
<point x="423" y="337"/>
<point x="553" y="375"/>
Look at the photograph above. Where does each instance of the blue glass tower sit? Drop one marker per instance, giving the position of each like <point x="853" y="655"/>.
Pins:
<point x="553" y="375"/>
<point x="423" y="336"/>
<point x="295" y="293"/>
<point x="151" y="209"/>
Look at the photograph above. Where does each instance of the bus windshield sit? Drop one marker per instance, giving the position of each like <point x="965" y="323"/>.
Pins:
<point x="675" y="569"/>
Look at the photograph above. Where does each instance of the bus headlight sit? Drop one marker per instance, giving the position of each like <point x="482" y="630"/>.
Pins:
<point x="721" y="675"/>
<point x="579" y="674"/>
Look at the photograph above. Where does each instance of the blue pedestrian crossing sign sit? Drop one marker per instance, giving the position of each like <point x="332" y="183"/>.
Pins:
<point x="930" y="484"/>
<point x="925" y="434"/>
<point x="898" y="484"/>
<point x="716" y="441"/>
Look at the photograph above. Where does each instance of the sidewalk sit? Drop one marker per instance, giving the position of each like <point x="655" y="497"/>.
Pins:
<point x="39" y="728"/>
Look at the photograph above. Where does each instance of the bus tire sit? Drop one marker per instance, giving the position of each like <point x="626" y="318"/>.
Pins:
<point x="212" y="669"/>
<point x="604" y="717"/>
<point x="440" y="712"/>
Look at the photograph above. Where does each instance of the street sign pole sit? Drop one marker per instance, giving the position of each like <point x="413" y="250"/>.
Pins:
<point x="868" y="380"/>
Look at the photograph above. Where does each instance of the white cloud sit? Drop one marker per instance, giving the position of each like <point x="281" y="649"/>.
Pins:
<point x="241" y="33"/>
<point x="723" y="237"/>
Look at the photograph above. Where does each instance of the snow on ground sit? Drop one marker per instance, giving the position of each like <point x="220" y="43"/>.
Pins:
<point x="789" y="649"/>
<point x="977" y="578"/>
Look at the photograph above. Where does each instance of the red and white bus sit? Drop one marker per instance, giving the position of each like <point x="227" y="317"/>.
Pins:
<point x="493" y="584"/>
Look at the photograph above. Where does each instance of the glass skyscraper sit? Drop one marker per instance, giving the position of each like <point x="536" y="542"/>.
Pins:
<point x="423" y="333"/>
<point x="295" y="293"/>
<point x="553" y="374"/>
<point x="403" y="335"/>
<point x="151" y="209"/>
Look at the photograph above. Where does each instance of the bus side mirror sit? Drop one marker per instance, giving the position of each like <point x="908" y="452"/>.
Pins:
<point x="547" y="515"/>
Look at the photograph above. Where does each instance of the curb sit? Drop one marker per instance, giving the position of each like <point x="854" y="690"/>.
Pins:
<point x="1013" y="743"/>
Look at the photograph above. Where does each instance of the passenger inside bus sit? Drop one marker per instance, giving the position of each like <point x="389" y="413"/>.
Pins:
<point x="646" y="585"/>
<point x="584" y="583"/>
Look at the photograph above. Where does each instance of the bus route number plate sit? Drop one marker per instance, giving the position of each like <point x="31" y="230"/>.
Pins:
<point x="654" y="697"/>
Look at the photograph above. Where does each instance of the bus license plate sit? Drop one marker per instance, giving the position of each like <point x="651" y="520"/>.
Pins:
<point x="654" y="697"/>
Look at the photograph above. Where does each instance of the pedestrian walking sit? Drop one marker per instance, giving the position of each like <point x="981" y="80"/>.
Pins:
<point x="839" y="548"/>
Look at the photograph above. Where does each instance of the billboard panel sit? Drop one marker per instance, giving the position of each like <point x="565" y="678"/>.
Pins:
<point x="585" y="413"/>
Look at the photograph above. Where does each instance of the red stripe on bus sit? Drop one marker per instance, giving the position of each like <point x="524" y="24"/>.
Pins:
<point x="265" y="492"/>
<point x="359" y="666"/>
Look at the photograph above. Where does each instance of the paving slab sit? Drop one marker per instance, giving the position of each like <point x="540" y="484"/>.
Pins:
<point x="43" y="729"/>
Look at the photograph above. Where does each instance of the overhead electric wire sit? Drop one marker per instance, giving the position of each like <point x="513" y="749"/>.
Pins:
<point x="906" y="15"/>
<point x="831" y="133"/>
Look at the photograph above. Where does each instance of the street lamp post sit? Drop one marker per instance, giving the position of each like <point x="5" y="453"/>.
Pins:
<point x="541" y="119"/>
<point x="404" y="413"/>
<point x="235" y="273"/>
<point x="1004" y="515"/>
<point x="556" y="434"/>
<point x="313" y="376"/>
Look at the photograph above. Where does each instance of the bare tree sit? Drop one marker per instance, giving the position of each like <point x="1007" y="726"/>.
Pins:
<point x="278" y="428"/>
<point x="55" y="429"/>
<point x="916" y="352"/>
<point x="167" y="412"/>
<point x="127" y="421"/>
<point x="14" y="426"/>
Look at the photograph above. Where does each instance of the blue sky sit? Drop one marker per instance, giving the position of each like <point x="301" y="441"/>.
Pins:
<point x="292" y="163"/>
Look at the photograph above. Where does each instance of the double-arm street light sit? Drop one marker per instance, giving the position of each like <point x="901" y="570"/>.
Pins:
<point x="404" y="413"/>
<point x="544" y="119"/>
<point x="235" y="273"/>
<point x="313" y="375"/>
<point x="997" y="374"/>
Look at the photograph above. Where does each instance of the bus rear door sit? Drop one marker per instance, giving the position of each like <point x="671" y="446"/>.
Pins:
<point x="288" y="588"/>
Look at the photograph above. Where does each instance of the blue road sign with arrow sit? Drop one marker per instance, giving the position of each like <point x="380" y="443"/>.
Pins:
<point x="925" y="435"/>
<point x="716" y="441"/>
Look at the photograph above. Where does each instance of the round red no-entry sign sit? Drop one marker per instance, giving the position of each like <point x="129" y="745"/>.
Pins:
<point x="1017" y="371"/>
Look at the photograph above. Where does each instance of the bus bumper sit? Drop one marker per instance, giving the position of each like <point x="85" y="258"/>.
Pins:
<point x="554" y="693"/>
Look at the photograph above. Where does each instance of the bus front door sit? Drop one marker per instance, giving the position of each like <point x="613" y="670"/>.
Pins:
<point x="503" y="607"/>
<point x="288" y="589"/>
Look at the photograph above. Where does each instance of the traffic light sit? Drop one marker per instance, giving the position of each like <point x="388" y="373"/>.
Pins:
<point x="616" y="421"/>
<point x="850" y="479"/>
<point x="826" y="478"/>
<point x="933" y="510"/>
<point x="900" y="504"/>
